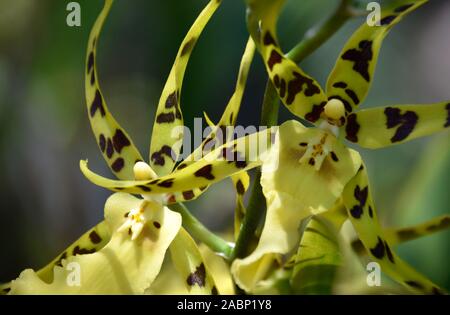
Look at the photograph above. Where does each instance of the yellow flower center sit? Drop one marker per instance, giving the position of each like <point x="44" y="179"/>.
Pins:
<point x="317" y="150"/>
<point x="150" y="208"/>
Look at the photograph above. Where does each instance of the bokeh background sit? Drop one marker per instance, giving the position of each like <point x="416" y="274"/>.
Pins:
<point x="46" y="203"/>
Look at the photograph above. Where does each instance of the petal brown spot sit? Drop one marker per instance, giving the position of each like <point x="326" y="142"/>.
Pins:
<point x="167" y="183"/>
<point x="334" y="157"/>
<point x="188" y="194"/>
<point x="274" y="59"/>
<point x="240" y="187"/>
<point x="205" y="172"/>
<point x="356" y="212"/>
<point x="109" y="148"/>
<point x="389" y="253"/>
<point x="197" y="277"/>
<point x="388" y="20"/>
<point x="269" y="40"/>
<point x="165" y="118"/>
<point x="102" y="142"/>
<point x="361" y="58"/>
<point x="144" y="188"/>
<point x="300" y="84"/>
<point x="406" y="122"/>
<point x="120" y="140"/>
<point x="90" y="62"/>
<point x="352" y="128"/>
<point x="156" y="224"/>
<point x="94" y="237"/>
<point x="158" y="156"/>
<point x="118" y="164"/>
<point x="172" y="100"/>
<point x="187" y="48"/>
<point x="97" y="104"/>
<point x="378" y="250"/>
<point x="82" y="251"/>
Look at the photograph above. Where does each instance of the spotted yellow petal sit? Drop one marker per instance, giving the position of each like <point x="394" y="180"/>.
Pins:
<point x="228" y="118"/>
<point x="122" y="266"/>
<point x="301" y="94"/>
<point x="381" y="127"/>
<point x="190" y="264"/>
<point x="353" y="72"/>
<point x="230" y="114"/>
<point x="233" y="157"/>
<point x="116" y="146"/>
<point x="362" y="214"/>
<point x="219" y="269"/>
<point x="294" y="189"/>
<point x="90" y="242"/>
<point x="396" y="236"/>
<point x="170" y="282"/>
<point x="167" y="135"/>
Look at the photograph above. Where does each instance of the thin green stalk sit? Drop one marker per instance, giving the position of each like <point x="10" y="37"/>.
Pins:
<point x="201" y="232"/>
<point x="320" y="33"/>
<point x="269" y="117"/>
<point x="257" y="202"/>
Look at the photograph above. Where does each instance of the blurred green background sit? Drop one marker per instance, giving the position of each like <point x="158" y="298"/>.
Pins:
<point x="46" y="203"/>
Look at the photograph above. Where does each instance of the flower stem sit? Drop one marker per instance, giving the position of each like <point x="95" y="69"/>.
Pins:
<point x="201" y="232"/>
<point x="257" y="202"/>
<point x="313" y="39"/>
<point x="320" y="33"/>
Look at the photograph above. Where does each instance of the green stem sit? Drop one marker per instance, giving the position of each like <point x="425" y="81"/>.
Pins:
<point x="269" y="117"/>
<point x="320" y="33"/>
<point x="257" y="201"/>
<point x="201" y="232"/>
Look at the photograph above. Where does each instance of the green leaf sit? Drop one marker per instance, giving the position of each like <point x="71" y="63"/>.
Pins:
<point x="317" y="259"/>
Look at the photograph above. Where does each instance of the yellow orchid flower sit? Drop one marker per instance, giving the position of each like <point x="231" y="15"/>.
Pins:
<point x="315" y="167"/>
<point x="124" y="253"/>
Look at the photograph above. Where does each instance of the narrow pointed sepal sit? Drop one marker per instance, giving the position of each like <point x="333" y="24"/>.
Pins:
<point x="301" y="94"/>
<point x="362" y="214"/>
<point x="167" y="135"/>
<point x="231" y="158"/>
<point x="191" y="266"/>
<point x="385" y="126"/>
<point x="116" y="146"/>
<point x="354" y="70"/>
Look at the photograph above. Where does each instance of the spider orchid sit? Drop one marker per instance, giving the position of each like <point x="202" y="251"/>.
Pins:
<point x="316" y="169"/>
<point x="125" y="252"/>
